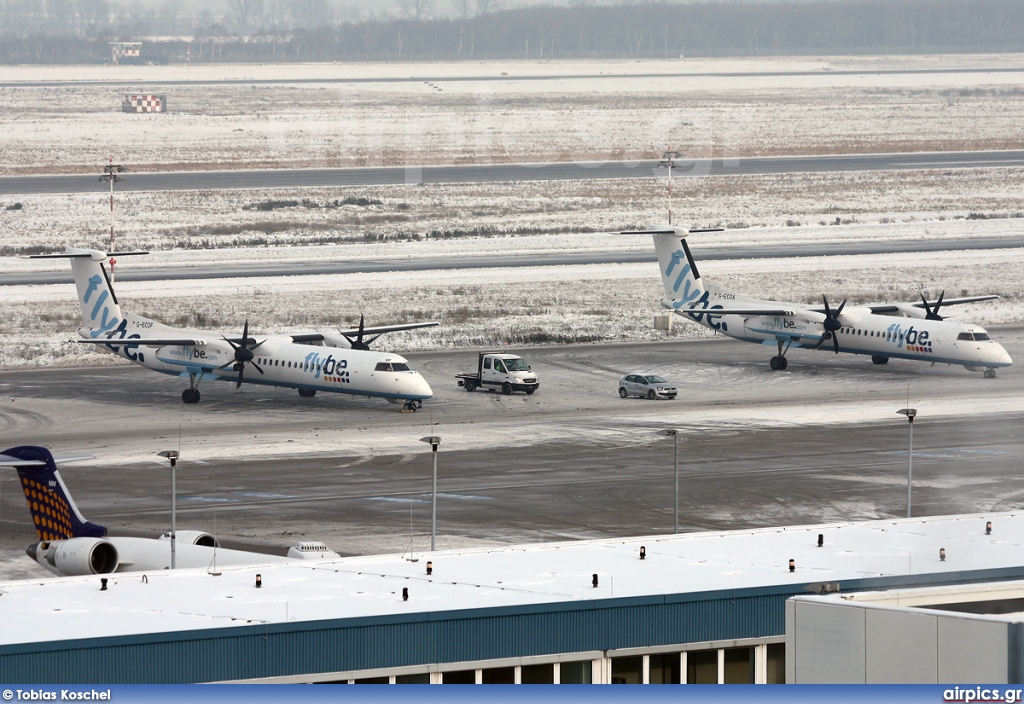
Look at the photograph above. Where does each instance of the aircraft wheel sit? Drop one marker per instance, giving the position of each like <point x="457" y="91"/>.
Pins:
<point x="652" y="395"/>
<point x="190" y="396"/>
<point x="409" y="406"/>
<point x="783" y="363"/>
<point x="506" y="389"/>
<point x="307" y="393"/>
<point x="623" y="393"/>
<point x="990" y="373"/>
<point x="875" y="359"/>
<point x="470" y="386"/>
<point x="774" y="363"/>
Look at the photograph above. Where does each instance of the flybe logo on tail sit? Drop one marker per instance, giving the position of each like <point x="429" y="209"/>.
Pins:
<point x="102" y="321"/>
<point x="684" y="280"/>
<point x="100" y="317"/>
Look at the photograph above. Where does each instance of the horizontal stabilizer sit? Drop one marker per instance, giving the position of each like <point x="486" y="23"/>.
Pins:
<point x="733" y="311"/>
<point x="81" y="254"/>
<point x="150" y="342"/>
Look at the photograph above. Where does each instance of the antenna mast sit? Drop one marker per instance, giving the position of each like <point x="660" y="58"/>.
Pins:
<point x="668" y="159"/>
<point x="110" y="174"/>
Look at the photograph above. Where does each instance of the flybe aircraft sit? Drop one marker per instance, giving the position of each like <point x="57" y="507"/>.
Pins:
<point x="341" y="362"/>
<point x="69" y="545"/>
<point x="882" y="331"/>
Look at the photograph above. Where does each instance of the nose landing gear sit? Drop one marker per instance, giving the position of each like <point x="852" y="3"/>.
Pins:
<point x="412" y="406"/>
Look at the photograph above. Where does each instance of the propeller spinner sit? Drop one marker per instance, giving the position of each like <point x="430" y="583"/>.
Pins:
<point x="243" y="355"/>
<point x="831" y="323"/>
<point x="358" y="343"/>
<point x="932" y="312"/>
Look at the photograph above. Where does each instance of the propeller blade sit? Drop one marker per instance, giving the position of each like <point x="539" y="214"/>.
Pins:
<point x="835" y="341"/>
<point x="839" y="310"/>
<point x="241" y="374"/>
<point x="258" y="367"/>
<point x="233" y="345"/>
<point x="828" y="311"/>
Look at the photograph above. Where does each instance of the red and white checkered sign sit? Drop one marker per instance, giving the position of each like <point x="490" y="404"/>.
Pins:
<point x="144" y="103"/>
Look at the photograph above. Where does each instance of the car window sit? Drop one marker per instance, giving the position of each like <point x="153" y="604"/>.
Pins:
<point x="654" y="379"/>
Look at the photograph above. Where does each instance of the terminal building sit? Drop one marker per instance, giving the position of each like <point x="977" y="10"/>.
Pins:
<point x="689" y="608"/>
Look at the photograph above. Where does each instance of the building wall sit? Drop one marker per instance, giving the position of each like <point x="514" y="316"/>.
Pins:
<point x="831" y="641"/>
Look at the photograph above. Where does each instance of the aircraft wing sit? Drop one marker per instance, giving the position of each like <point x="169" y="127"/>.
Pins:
<point x="9" y="461"/>
<point x="381" y="329"/>
<point x="148" y="342"/>
<point x="893" y="308"/>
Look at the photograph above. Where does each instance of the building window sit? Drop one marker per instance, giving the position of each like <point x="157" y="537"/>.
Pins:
<point x="776" y="670"/>
<point x="578" y="672"/>
<point x="537" y="674"/>
<point x="420" y="678"/>
<point x="498" y="675"/>
<point x="739" y="666"/>
<point x="373" y="680"/>
<point x="628" y="670"/>
<point x="664" y="669"/>
<point x="459" y="677"/>
<point x="702" y="667"/>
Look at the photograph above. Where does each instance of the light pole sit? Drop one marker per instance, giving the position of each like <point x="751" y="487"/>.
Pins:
<point x="674" y="434"/>
<point x="909" y="413"/>
<point x="668" y="159"/>
<point x="172" y="455"/>
<point x="434" y="441"/>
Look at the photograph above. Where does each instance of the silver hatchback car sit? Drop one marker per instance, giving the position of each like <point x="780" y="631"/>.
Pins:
<point x="649" y="386"/>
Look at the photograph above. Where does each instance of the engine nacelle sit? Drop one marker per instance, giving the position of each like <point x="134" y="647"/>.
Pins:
<point x="193" y="537"/>
<point x="79" y="556"/>
<point x="334" y="339"/>
<point x="909" y="310"/>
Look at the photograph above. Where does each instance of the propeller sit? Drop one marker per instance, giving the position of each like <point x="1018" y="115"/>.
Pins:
<point x="932" y="312"/>
<point x="243" y="355"/>
<point x="358" y="343"/>
<point x="831" y="323"/>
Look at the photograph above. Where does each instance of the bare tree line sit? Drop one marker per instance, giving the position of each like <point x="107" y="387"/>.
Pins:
<point x="76" y="31"/>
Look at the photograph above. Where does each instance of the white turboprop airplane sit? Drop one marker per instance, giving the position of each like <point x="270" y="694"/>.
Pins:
<point x="341" y="362"/>
<point x="882" y="331"/>
<point x="69" y="545"/>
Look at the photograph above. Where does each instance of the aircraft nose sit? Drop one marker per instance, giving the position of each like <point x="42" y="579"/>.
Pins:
<point x="421" y="387"/>
<point x="1002" y="356"/>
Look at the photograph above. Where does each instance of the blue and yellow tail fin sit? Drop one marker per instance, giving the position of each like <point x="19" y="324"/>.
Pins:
<point x="54" y="513"/>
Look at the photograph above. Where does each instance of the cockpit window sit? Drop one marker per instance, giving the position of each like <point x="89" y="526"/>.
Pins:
<point x="964" y="336"/>
<point x="391" y="367"/>
<point x="981" y="337"/>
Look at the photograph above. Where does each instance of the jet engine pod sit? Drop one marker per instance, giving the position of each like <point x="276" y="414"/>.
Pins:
<point x="81" y="556"/>
<point x="193" y="537"/>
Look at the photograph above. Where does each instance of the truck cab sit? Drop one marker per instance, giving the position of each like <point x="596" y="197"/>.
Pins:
<point x="500" y="371"/>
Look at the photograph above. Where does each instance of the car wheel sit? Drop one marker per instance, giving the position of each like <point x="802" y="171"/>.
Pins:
<point x="651" y="395"/>
<point x="470" y="386"/>
<point x="622" y="392"/>
<point x="506" y="389"/>
<point x="529" y="391"/>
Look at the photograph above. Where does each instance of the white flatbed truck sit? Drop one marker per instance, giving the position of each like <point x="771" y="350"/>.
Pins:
<point x="500" y="372"/>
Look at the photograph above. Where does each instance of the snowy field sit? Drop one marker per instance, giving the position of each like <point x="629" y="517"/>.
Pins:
<point x="474" y="112"/>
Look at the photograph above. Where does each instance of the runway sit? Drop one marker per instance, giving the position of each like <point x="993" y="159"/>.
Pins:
<point x="450" y="263"/>
<point x="819" y="442"/>
<point x="487" y="173"/>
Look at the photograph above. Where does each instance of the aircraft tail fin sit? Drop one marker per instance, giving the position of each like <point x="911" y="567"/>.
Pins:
<point x="683" y="285"/>
<point x="101" y="313"/>
<point x="54" y="513"/>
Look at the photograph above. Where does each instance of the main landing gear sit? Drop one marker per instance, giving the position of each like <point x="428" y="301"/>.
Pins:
<point x="779" y="362"/>
<point x="191" y="394"/>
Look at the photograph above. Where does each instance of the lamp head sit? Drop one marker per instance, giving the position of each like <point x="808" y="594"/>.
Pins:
<point x="432" y="440"/>
<point x="669" y="432"/>
<point x="172" y="455"/>
<point x="908" y="412"/>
